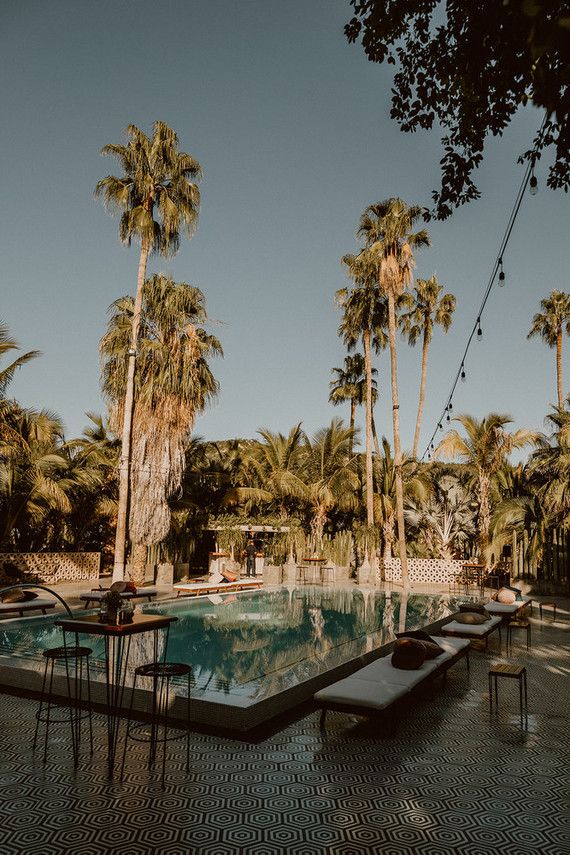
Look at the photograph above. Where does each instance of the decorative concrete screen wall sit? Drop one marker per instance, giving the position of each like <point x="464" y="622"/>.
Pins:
<point x="56" y="566"/>
<point x="435" y="570"/>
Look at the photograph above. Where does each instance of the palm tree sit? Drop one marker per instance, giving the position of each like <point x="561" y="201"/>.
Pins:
<point x="550" y="324"/>
<point x="484" y="450"/>
<point x="328" y="473"/>
<point x="385" y="503"/>
<point x="157" y="195"/>
<point x="549" y="468"/>
<point x="364" y="316"/>
<point x="173" y="385"/>
<point x="6" y="345"/>
<point x="389" y="243"/>
<point x="349" y="384"/>
<point x="424" y="309"/>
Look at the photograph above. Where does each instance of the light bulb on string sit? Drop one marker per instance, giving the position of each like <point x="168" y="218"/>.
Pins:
<point x="501" y="273"/>
<point x="533" y="184"/>
<point x="462" y="373"/>
<point x="448" y="417"/>
<point x="440" y="426"/>
<point x="450" y="406"/>
<point x="479" y="330"/>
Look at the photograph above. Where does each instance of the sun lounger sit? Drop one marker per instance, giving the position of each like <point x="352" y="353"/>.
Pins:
<point x="474" y="632"/>
<point x="197" y="589"/>
<point x="376" y="687"/>
<point x="27" y="606"/>
<point x="96" y="595"/>
<point x="506" y="610"/>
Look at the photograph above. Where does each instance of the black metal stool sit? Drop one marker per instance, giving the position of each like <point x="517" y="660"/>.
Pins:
<point x="518" y="624"/>
<point x="78" y="656"/>
<point x="541" y="606"/>
<point x="513" y="672"/>
<point x="161" y="674"/>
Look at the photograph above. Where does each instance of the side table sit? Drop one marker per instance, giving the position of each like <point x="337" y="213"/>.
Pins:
<point x="514" y="672"/>
<point x="541" y="606"/>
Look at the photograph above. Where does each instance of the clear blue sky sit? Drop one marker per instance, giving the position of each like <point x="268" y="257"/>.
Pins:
<point x="291" y="125"/>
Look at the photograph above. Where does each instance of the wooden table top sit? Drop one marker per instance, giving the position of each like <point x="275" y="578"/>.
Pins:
<point x="507" y="670"/>
<point x="92" y="625"/>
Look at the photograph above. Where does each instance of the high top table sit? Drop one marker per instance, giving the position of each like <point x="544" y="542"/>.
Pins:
<point x="117" y="649"/>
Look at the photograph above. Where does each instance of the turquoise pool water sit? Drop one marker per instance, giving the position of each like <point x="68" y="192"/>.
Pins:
<point x="246" y="647"/>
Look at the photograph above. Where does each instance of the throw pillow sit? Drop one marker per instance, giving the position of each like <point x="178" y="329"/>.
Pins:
<point x="505" y="596"/>
<point x="433" y="649"/>
<point x="470" y="618"/>
<point x="474" y="608"/>
<point x="16" y="595"/>
<point x="409" y="654"/>
<point x="130" y="588"/>
<point x="229" y="575"/>
<point x="119" y="587"/>
<point x="30" y="595"/>
<point x="517" y="591"/>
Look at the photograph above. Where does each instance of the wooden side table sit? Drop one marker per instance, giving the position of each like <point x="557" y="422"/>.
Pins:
<point x="514" y="672"/>
<point x="550" y="605"/>
<point x="523" y="623"/>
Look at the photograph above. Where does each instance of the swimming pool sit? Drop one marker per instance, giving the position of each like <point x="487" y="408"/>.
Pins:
<point x="250" y="650"/>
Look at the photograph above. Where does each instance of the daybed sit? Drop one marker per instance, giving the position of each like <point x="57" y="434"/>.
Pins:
<point x="96" y="595"/>
<point x="27" y="606"/>
<point x="197" y="588"/>
<point x="474" y="632"/>
<point x="376" y="687"/>
<point x="505" y="610"/>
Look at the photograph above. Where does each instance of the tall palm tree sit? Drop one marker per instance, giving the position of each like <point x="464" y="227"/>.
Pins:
<point x="364" y="317"/>
<point x="349" y="384"/>
<point x="386" y="229"/>
<point x="157" y="195"/>
<point x="549" y="468"/>
<point x="425" y="308"/>
<point x="173" y="385"/>
<point x="7" y="343"/>
<point x="385" y="502"/>
<point x="484" y="450"/>
<point x="550" y="325"/>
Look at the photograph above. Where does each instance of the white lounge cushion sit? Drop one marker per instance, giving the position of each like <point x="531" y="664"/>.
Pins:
<point x="361" y="693"/>
<point x="450" y="645"/>
<point x="383" y="672"/>
<point x="479" y="629"/>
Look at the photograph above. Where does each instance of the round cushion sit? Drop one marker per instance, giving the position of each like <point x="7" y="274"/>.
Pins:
<point x="470" y="618"/>
<point x="119" y="587"/>
<point x="409" y="654"/>
<point x="16" y="595"/>
<point x="506" y="596"/>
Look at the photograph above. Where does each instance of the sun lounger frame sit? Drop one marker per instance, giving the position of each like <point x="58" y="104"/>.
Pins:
<point x="26" y="606"/>
<point x="197" y="589"/>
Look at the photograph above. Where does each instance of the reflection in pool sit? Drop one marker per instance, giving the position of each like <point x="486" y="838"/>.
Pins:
<point x="247" y="647"/>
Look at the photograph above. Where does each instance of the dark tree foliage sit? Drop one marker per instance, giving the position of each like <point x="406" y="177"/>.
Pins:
<point x="470" y="65"/>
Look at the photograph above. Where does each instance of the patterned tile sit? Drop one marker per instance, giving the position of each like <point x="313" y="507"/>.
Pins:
<point x="451" y="781"/>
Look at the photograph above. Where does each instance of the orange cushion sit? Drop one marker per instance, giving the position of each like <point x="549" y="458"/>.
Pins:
<point x="506" y="596"/>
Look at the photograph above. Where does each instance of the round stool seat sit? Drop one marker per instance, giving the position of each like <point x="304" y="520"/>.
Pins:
<point x="163" y="669"/>
<point x="67" y="652"/>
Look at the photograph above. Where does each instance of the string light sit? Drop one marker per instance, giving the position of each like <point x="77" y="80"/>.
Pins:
<point x="501" y="273"/>
<point x="533" y="185"/>
<point x="529" y="180"/>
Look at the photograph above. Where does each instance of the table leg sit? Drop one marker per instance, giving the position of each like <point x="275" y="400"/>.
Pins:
<point x="116" y="666"/>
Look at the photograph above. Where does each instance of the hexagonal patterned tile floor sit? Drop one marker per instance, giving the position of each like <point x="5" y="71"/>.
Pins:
<point x="452" y="780"/>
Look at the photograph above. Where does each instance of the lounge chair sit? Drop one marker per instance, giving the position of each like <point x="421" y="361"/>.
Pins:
<point x="24" y="606"/>
<point x="474" y="632"/>
<point x="506" y="610"/>
<point x="197" y="589"/>
<point x="97" y="594"/>
<point x="376" y="687"/>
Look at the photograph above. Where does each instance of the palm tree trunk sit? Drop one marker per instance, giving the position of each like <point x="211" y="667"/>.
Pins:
<point x="559" y="368"/>
<point x="369" y="487"/>
<point x="138" y="564"/>
<point x="422" y="395"/>
<point x="375" y="437"/>
<point x="397" y="450"/>
<point x="352" y="421"/>
<point x="124" y="465"/>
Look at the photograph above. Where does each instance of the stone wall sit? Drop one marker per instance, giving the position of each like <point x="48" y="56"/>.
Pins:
<point x="435" y="570"/>
<point x="56" y="566"/>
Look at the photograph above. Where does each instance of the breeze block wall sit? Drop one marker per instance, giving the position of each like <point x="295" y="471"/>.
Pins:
<point x="438" y="571"/>
<point x="56" y="566"/>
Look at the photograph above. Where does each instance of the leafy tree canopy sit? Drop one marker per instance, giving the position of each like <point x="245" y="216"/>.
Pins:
<point x="470" y="65"/>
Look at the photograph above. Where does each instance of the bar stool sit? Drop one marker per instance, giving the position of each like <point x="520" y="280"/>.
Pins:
<point x="515" y="672"/>
<point x="523" y="623"/>
<point x="78" y="656"/>
<point x="161" y="674"/>
<point x="550" y="605"/>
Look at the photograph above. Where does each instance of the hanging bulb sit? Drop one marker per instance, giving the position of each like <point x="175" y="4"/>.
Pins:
<point x="448" y="417"/>
<point x="479" y="330"/>
<point x="462" y="373"/>
<point x="533" y="185"/>
<point x="450" y="406"/>
<point x="440" y="426"/>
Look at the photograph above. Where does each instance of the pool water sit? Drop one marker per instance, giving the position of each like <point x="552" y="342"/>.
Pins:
<point x="247" y="647"/>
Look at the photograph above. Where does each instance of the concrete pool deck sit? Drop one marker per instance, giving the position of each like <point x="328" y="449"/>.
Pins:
<point x="452" y="781"/>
